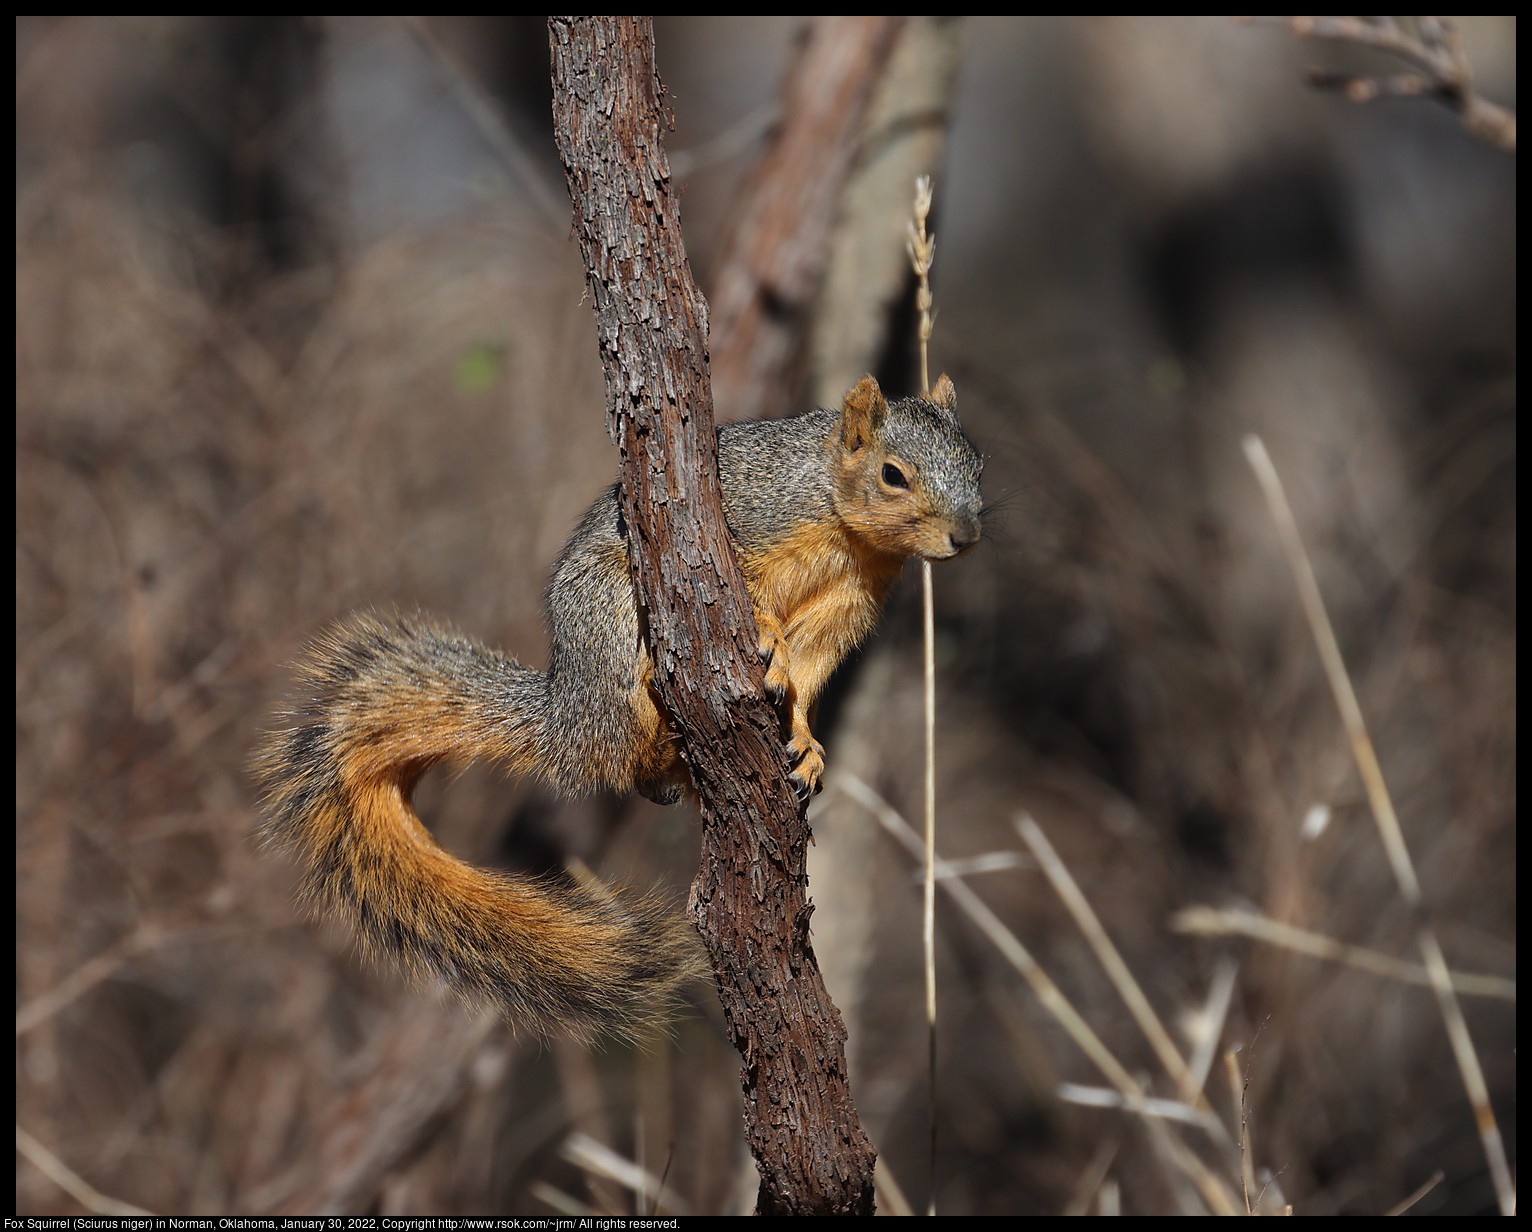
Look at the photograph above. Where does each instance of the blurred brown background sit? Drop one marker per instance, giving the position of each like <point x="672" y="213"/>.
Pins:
<point x="297" y="334"/>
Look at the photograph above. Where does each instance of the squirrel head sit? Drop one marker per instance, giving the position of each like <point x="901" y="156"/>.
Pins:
<point x="908" y="480"/>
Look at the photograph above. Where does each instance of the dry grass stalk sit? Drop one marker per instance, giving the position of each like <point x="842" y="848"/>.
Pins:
<point x="1208" y="1028"/>
<point x="1165" y="1109"/>
<point x="891" y="1199"/>
<point x="1214" y="1192"/>
<point x="1092" y="1179"/>
<point x="1111" y="961"/>
<point x="71" y="1182"/>
<point x="598" y="1159"/>
<point x="1213" y="921"/>
<point x="1431" y="1182"/>
<point x="1238" y="1084"/>
<point x="1388" y="821"/>
<point x="922" y="250"/>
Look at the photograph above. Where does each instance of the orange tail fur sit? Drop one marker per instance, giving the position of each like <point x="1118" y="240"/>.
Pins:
<point x="385" y="700"/>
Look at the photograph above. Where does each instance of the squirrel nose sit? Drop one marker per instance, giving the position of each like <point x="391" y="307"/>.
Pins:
<point x="964" y="535"/>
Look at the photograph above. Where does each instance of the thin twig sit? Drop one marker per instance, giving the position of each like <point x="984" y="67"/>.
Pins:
<point x="1388" y="822"/>
<point x="1238" y="1087"/>
<point x="103" y="967"/>
<point x="1435" y="1179"/>
<point x="70" y="1181"/>
<point x="1233" y="921"/>
<point x="486" y="115"/>
<point x="733" y="141"/>
<point x="1436" y="50"/>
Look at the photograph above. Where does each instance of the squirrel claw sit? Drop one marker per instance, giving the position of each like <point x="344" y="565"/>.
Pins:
<point x="806" y="774"/>
<point x="778" y="660"/>
<point x="803" y="790"/>
<point x="777" y="679"/>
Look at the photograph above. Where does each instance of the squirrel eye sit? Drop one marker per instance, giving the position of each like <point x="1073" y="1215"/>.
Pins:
<point x="893" y="476"/>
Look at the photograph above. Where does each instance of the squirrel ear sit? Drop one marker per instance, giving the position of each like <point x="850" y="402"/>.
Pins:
<point x="944" y="393"/>
<point x="862" y="414"/>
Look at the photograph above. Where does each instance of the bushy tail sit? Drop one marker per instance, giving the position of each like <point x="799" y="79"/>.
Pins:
<point x="383" y="700"/>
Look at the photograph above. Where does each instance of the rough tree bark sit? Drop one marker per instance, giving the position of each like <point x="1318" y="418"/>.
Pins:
<point x="749" y="898"/>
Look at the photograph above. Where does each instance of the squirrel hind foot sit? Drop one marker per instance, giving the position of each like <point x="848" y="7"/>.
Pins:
<point x="807" y="774"/>
<point x="663" y="791"/>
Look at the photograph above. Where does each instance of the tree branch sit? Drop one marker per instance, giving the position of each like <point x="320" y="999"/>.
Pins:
<point x="775" y="252"/>
<point x="1435" y="50"/>
<point x="749" y="898"/>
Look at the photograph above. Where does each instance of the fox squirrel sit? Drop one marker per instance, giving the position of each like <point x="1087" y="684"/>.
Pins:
<point x="824" y="508"/>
